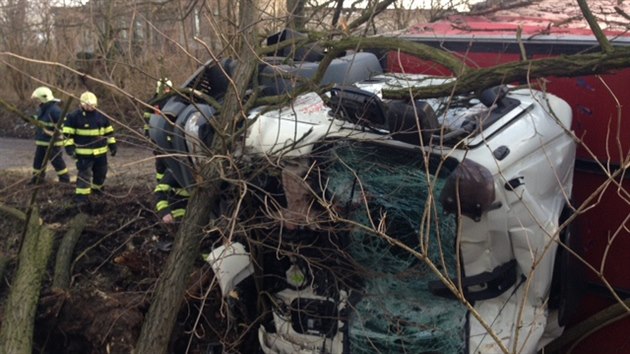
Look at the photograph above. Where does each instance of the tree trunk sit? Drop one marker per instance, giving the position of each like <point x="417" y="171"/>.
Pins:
<point x="16" y="335"/>
<point x="160" y="320"/>
<point x="295" y="8"/>
<point x="337" y="13"/>
<point x="61" y="278"/>
<point x="4" y="261"/>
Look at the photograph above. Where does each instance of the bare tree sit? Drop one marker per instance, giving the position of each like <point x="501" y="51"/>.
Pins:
<point x="127" y="35"/>
<point x="159" y="322"/>
<point x="296" y="14"/>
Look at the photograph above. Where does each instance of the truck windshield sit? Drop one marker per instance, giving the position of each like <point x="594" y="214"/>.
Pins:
<point x="396" y="192"/>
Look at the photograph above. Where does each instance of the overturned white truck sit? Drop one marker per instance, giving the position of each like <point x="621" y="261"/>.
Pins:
<point x="413" y="226"/>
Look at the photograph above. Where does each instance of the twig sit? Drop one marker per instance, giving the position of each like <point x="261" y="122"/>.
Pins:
<point x="97" y="243"/>
<point x="18" y="214"/>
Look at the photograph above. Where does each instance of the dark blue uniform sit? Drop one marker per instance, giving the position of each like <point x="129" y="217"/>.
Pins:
<point x="157" y="102"/>
<point x="48" y="115"/>
<point x="171" y="197"/>
<point x="89" y="136"/>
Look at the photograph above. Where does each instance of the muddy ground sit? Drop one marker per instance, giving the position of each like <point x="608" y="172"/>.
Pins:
<point x="116" y="262"/>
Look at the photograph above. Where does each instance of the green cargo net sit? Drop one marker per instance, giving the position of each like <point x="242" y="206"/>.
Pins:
<point x="396" y="312"/>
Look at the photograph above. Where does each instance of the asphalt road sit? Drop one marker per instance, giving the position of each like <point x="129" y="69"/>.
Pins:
<point x="17" y="155"/>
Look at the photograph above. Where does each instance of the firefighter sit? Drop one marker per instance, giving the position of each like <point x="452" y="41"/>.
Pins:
<point x="162" y="94"/>
<point x="171" y="199"/>
<point x="48" y="115"/>
<point x="89" y="136"/>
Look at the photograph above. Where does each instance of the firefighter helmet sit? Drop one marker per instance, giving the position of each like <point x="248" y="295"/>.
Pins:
<point x="163" y="84"/>
<point x="43" y="94"/>
<point x="89" y="99"/>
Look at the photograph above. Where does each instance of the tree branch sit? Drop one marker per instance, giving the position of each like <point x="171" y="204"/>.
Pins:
<point x="422" y="51"/>
<point x="61" y="278"/>
<point x="597" y="31"/>
<point x="561" y="66"/>
<point x="18" y="214"/>
<point x="370" y="13"/>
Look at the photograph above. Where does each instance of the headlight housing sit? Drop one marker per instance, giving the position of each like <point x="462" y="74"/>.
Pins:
<point x="469" y="190"/>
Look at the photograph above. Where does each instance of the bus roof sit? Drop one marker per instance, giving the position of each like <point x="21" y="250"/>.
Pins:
<point x="505" y="29"/>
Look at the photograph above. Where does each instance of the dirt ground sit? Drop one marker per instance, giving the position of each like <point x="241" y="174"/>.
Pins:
<point x="116" y="261"/>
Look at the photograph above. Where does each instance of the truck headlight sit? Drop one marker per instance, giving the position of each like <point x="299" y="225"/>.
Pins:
<point x="469" y="190"/>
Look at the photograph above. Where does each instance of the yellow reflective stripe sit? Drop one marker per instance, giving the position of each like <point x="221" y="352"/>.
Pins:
<point x="161" y="205"/>
<point x="83" y="191"/>
<point x="161" y="188"/>
<point x="178" y="213"/>
<point x="94" y="151"/>
<point x="147" y="115"/>
<point x="68" y="142"/>
<point x="47" y="124"/>
<point x="68" y="130"/>
<point x="159" y="176"/>
<point x="146" y="127"/>
<point x="62" y="172"/>
<point x="89" y="132"/>
<point x="46" y="143"/>
<point x="111" y="140"/>
<point x="182" y="192"/>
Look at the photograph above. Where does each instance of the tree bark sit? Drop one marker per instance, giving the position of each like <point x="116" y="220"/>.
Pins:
<point x="592" y="23"/>
<point x="18" y="214"/>
<point x="61" y="278"/>
<point x="472" y="79"/>
<point x="337" y="13"/>
<point x="295" y="8"/>
<point x="16" y="335"/>
<point x="160" y="320"/>
<point x="561" y="66"/>
<point x="369" y="13"/>
<point x="4" y="261"/>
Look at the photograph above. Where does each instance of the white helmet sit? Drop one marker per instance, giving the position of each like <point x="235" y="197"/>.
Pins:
<point x="43" y="94"/>
<point x="162" y="84"/>
<point x="88" y="99"/>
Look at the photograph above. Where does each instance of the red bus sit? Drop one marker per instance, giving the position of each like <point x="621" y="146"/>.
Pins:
<point x="601" y="230"/>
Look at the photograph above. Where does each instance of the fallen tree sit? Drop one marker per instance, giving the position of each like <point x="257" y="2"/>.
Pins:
<point x="16" y="334"/>
<point x="62" y="275"/>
